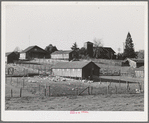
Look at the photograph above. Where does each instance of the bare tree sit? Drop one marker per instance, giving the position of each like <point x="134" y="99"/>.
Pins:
<point x="97" y="53"/>
<point x="17" y="49"/>
<point x="98" y="42"/>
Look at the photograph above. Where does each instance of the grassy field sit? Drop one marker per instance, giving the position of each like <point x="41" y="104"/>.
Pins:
<point x="100" y="102"/>
<point x="42" y="92"/>
<point x="59" y="87"/>
<point x="122" y="102"/>
<point x="64" y="95"/>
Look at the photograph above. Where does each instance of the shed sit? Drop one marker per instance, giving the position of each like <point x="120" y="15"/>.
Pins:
<point x="77" y="69"/>
<point x="134" y="63"/>
<point x="63" y="55"/>
<point x="33" y="52"/>
<point x="10" y="57"/>
<point x="139" y="72"/>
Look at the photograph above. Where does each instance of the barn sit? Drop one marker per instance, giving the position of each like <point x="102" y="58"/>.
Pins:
<point x="104" y="52"/>
<point x="110" y="52"/>
<point x="78" y="69"/>
<point x="63" y="55"/>
<point x="33" y="52"/>
<point x="11" y="57"/>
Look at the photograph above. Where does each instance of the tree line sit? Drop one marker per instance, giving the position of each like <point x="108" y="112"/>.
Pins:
<point x="129" y="51"/>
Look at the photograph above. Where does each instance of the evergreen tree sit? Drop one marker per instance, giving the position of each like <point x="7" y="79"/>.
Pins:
<point x="76" y="51"/>
<point x="129" y="48"/>
<point x="74" y="47"/>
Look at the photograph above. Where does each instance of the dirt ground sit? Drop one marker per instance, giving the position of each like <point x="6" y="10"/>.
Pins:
<point x="114" y="102"/>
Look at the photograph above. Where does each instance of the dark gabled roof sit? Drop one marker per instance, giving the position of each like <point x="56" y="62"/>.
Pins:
<point x="135" y="60"/>
<point x="8" y="53"/>
<point x="109" y="49"/>
<point x="31" y="47"/>
<point x="62" y="52"/>
<point x="140" y="68"/>
<point x="100" y="48"/>
<point x="89" y="42"/>
<point x="71" y="65"/>
<point x="27" y="49"/>
<point x="106" y="49"/>
<point x="138" y="60"/>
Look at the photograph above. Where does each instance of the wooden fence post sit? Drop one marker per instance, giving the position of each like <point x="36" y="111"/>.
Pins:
<point x="20" y="92"/>
<point x="116" y="89"/>
<point x="49" y="91"/>
<point x="126" y="86"/>
<point x="139" y="85"/>
<point x="107" y="88"/>
<point x="45" y="92"/>
<point x="11" y="93"/>
<point x="24" y="71"/>
<point x="119" y="83"/>
<point x="91" y="90"/>
<point x="23" y="83"/>
<point x="88" y="90"/>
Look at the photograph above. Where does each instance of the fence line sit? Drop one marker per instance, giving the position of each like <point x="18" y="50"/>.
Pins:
<point x="38" y="88"/>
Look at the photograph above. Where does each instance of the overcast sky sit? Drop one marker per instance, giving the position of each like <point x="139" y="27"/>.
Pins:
<point x="61" y="25"/>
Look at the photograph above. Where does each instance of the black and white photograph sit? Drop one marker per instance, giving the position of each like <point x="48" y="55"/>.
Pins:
<point x="74" y="61"/>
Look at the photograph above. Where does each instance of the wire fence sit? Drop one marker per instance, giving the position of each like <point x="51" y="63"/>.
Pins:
<point x="19" y="83"/>
<point x="58" y="86"/>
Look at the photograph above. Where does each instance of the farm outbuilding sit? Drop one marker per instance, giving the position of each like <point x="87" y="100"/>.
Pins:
<point x="11" y="57"/>
<point x="104" y="52"/>
<point x="63" y="55"/>
<point x="134" y="63"/>
<point x="89" y="47"/>
<point x="33" y="52"/>
<point x="139" y="72"/>
<point x="78" y="69"/>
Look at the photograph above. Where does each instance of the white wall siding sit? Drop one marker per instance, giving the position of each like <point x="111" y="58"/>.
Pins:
<point x="68" y="72"/>
<point x="22" y="55"/>
<point x="139" y="74"/>
<point x="59" y="56"/>
<point x="132" y="63"/>
<point x="5" y="59"/>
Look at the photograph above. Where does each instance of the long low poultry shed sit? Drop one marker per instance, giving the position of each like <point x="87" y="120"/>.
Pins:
<point x="78" y="69"/>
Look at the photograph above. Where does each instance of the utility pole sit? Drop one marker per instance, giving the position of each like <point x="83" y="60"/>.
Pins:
<point x="29" y="40"/>
<point x="123" y="46"/>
